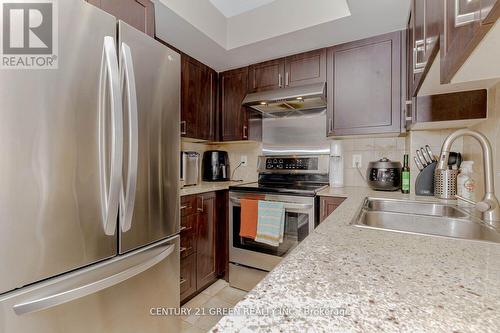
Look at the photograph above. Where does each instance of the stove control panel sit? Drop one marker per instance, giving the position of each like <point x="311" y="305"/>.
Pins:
<point x="303" y="163"/>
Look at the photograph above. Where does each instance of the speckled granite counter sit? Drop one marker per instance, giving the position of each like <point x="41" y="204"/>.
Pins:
<point x="385" y="281"/>
<point x="204" y="187"/>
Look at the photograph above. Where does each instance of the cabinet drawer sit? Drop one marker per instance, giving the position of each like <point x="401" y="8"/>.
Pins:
<point x="188" y="276"/>
<point x="188" y="244"/>
<point x="188" y="224"/>
<point x="188" y="205"/>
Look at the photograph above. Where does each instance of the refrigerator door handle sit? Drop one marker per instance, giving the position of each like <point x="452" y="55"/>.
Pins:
<point x="94" y="279"/>
<point x="109" y="83"/>
<point x="127" y="198"/>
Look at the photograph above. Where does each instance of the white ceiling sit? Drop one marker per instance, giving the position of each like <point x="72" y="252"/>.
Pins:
<point x="272" y="30"/>
<point x="230" y="8"/>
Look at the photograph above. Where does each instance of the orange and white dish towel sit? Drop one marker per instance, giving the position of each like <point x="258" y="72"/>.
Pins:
<point x="249" y="216"/>
<point x="270" y="223"/>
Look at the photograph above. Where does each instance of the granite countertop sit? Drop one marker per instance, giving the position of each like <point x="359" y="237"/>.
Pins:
<point x="384" y="281"/>
<point x="204" y="187"/>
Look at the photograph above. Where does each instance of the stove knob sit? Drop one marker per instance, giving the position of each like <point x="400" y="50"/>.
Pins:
<point x="275" y="161"/>
<point x="280" y="166"/>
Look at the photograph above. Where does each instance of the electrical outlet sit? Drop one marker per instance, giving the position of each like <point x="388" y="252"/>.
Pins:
<point x="356" y="161"/>
<point x="244" y="160"/>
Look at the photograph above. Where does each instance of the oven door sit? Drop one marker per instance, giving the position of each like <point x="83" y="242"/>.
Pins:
<point x="299" y="223"/>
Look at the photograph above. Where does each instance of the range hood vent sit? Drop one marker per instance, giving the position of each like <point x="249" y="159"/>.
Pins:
<point x="288" y="101"/>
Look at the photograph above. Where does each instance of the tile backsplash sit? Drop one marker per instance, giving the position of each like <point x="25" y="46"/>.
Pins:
<point x="235" y="150"/>
<point x="370" y="149"/>
<point x="491" y="129"/>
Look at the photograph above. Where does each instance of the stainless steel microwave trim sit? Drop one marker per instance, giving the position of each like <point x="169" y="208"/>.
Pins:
<point x="307" y="97"/>
<point x="128" y="84"/>
<point x="110" y="186"/>
<point x="87" y="281"/>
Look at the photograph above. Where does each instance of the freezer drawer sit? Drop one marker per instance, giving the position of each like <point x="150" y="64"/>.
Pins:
<point x="151" y="140"/>
<point x="122" y="307"/>
<point x="56" y="196"/>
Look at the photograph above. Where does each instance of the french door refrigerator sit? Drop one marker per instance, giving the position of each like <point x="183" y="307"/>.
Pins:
<point x="89" y="202"/>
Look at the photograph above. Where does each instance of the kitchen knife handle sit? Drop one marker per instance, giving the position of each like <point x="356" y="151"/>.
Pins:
<point x="421" y="158"/>
<point x="431" y="155"/>
<point x="426" y="158"/>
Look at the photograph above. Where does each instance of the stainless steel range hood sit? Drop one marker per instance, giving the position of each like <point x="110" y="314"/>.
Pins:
<point x="286" y="101"/>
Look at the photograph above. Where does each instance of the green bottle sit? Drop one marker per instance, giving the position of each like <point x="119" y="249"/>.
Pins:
<point x="405" y="184"/>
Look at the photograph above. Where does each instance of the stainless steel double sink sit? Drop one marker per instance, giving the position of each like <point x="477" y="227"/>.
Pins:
<point x="423" y="218"/>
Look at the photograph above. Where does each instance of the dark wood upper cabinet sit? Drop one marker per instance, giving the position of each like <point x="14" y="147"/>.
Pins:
<point x="300" y="69"/>
<point x="198" y="99"/>
<point x="234" y="118"/>
<point x="425" y="26"/>
<point x="138" y="13"/>
<point x="305" y="68"/>
<point x="266" y="75"/>
<point x="206" y="261"/>
<point x="364" y="86"/>
<point x="467" y="22"/>
<point x="466" y="105"/>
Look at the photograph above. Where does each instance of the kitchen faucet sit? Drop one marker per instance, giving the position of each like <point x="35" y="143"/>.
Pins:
<point x="489" y="205"/>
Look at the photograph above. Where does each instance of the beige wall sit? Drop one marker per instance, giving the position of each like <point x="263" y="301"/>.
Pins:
<point x="490" y="128"/>
<point x="235" y="150"/>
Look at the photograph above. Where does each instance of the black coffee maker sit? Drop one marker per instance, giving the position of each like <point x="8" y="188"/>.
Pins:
<point x="215" y="166"/>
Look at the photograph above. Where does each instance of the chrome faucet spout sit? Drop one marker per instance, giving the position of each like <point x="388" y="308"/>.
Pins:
<point x="491" y="215"/>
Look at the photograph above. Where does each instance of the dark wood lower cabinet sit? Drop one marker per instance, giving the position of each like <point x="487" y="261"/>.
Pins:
<point x="188" y="276"/>
<point x="206" y="268"/>
<point x="328" y="205"/>
<point x="202" y="223"/>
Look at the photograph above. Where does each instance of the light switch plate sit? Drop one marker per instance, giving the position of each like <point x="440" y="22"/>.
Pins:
<point x="244" y="160"/>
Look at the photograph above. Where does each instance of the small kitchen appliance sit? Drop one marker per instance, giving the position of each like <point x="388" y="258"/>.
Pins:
<point x="190" y="168"/>
<point x="384" y="175"/>
<point x="215" y="166"/>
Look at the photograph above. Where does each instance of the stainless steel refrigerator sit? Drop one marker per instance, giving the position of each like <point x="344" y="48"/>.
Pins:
<point x="89" y="165"/>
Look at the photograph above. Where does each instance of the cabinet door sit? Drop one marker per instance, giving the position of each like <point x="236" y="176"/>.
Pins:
<point x="138" y="13"/>
<point x="364" y="86"/>
<point x="490" y="11"/>
<point x="206" y="268"/>
<point x="266" y="75"/>
<point x="328" y="205"/>
<point x="462" y="32"/>
<point x="305" y="68"/>
<point x="198" y="100"/>
<point x="188" y="276"/>
<point x="233" y="88"/>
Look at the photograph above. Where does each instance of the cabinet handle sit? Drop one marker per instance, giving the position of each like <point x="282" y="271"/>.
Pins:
<point x="280" y="83"/>
<point x="201" y="209"/>
<point x="467" y="18"/>
<point x="418" y="67"/>
<point x="183" y="127"/>
<point x="182" y="280"/>
<point x="182" y="229"/>
<point x="245" y="132"/>
<point x="330" y="125"/>
<point x="184" y="207"/>
<point x="287" y="80"/>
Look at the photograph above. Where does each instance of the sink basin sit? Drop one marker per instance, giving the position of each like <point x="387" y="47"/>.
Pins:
<point x="424" y="218"/>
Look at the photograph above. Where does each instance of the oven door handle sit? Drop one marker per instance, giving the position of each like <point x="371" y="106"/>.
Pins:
<point x="286" y="205"/>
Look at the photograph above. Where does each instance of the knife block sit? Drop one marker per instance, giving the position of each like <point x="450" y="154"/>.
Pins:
<point x="424" y="184"/>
